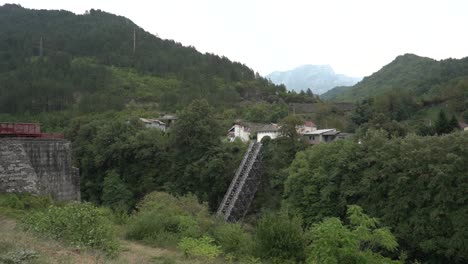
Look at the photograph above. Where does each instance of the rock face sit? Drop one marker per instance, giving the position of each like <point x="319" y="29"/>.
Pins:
<point x="318" y="78"/>
<point x="38" y="166"/>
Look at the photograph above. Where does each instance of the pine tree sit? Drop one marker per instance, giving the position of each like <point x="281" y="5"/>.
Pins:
<point x="453" y="123"/>
<point x="442" y="124"/>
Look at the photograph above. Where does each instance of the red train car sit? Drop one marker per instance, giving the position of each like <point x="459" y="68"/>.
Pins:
<point x="8" y="129"/>
<point x="20" y="129"/>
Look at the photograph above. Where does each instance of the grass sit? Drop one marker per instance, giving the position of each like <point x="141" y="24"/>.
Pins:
<point x="17" y="246"/>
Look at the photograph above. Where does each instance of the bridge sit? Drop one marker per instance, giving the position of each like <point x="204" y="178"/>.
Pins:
<point x="239" y="196"/>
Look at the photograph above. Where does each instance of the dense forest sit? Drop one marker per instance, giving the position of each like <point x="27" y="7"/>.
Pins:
<point x="56" y="60"/>
<point x="395" y="192"/>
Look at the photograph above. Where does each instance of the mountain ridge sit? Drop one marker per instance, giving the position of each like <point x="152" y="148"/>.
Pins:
<point x="416" y="74"/>
<point x="318" y="78"/>
<point x="55" y="60"/>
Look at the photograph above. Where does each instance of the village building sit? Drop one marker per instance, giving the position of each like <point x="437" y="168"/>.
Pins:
<point x="153" y="123"/>
<point x="463" y="126"/>
<point x="169" y="119"/>
<point x="324" y="136"/>
<point x="246" y="131"/>
<point x="163" y="123"/>
<point x="271" y="131"/>
<point x="307" y="127"/>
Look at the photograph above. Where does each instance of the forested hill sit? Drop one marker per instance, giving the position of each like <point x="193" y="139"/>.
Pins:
<point x="106" y="37"/>
<point x="430" y="80"/>
<point x="56" y="60"/>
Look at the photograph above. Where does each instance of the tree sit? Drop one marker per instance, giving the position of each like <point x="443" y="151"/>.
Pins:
<point x="196" y="130"/>
<point x="399" y="180"/>
<point x="288" y="127"/>
<point x="115" y="193"/>
<point x="442" y="125"/>
<point x="332" y="242"/>
<point x="363" y="112"/>
<point x="453" y="123"/>
<point x="280" y="238"/>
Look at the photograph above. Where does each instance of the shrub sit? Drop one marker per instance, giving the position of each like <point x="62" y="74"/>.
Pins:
<point x="24" y="201"/>
<point x="115" y="193"/>
<point x="280" y="238"/>
<point x="81" y="224"/>
<point x="163" y="219"/>
<point x="201" y="247"/>
<point x="332" y="242"/>
<point x="16" y="205"/>
<point x="233" y="239"/>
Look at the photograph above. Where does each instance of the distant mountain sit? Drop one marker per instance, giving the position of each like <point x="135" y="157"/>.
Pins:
<point x="424" y="78"/>
<point x="319" y="78"/>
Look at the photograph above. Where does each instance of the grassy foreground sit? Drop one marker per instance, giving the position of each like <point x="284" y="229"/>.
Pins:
<point x="17" y="246"/>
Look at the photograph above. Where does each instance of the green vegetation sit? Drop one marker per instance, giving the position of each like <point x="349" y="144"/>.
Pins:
<point x="81" y="224"/>
<point x="280" y="238"/>
<point x="201" y="247"/>
<point x="163" y="220"/>
<point x="415" y="185"/>
<point x="332" y="242"/>
<point x="159" y="189"/>
<point x="87" y="71"/>
<point x="409" y="89"/>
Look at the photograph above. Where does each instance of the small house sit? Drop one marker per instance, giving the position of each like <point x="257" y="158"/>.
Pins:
<point x="307" y="127"/>
<point x="247" y="130"/>
<point x="153" y="123"/>
<point x="169" y="120"/>
<point x="272" y="131"/>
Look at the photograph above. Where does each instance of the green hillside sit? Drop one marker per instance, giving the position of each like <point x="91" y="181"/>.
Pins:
<point x="421" y="76"/>
<point x="412" y="87"/>
<point x="56" y="60"/>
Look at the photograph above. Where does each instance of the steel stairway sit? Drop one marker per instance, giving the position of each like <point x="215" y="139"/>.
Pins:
<point x="241" y="192"/>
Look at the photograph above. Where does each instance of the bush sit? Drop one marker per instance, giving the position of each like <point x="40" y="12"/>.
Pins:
<point x="280" y="238"/>
<point x="16" y="205"/>
<point x="333" y="242"/>
<point x="233" y="239"/>
<point x="24" y="201"/>
<point x="201" y="247"/>
<point x="163" y="219"/>
<point x="81" y="224"/>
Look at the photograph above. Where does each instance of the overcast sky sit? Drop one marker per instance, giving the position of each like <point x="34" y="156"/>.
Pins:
<point x="356" y="37"/>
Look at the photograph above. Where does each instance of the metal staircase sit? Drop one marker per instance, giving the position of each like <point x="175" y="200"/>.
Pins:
<point x="241" y="192"/>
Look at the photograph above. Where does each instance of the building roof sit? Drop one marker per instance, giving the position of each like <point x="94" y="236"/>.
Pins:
<point x="320" y="131"/>
<point x="256" y="127"/>
<point x="168" y="117"/>
<point x="309" y="124"/>
<point x="269" y="128"/>
<point x="331" y="133"/>
<point x="462" y="125"/>
<point x="151" y="121"/>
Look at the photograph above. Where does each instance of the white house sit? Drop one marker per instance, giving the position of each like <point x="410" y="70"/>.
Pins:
<point x="246" y="130"/>
<point x="271" y="130"/>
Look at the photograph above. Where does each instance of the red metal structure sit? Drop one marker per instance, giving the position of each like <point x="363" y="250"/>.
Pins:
<point x="8" y="129"/>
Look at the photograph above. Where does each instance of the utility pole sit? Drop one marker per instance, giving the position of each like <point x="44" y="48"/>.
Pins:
<point x="41" y="48"/>
<point x="134" y="40"/>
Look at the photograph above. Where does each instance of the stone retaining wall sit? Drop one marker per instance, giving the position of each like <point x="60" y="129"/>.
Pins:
<point x="40" y="166"/>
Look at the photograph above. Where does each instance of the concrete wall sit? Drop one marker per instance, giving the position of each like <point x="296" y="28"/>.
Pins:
<point x="42" y="166"/>
<point x="272" y="135"/>
<point x="240" y="132"/>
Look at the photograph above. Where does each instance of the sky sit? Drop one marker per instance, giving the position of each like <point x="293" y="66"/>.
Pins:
<point x="355" y="37"/>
